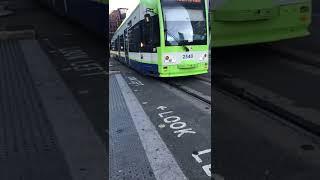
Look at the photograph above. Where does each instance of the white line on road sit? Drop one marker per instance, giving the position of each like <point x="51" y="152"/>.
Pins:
<point x="160" y="158"/>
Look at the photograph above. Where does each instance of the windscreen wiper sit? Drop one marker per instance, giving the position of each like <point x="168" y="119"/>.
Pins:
<point x="176" y="39"/>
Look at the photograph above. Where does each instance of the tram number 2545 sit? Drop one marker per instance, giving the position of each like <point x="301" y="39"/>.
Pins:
<point x="187" y="56"/>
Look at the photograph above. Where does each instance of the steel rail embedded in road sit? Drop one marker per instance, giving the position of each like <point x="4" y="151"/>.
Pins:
<point x="202" y="79"/>
<point x="225" y="85"/>
<point x="189" y="91"/>
<point x="296" y="55"/>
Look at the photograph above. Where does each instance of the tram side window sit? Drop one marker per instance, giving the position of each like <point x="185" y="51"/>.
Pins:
<point x="144" y="36"/>
<point x="146" y="33"/>
<point x="113" y="45"/>
<point x="150" y="34"/>
<point x="134" y="38"/>
<point x="121" y="43"/>
<point x="155" y="31"/>
<point x="125" y="39"/>
<point x="116" y="44"/>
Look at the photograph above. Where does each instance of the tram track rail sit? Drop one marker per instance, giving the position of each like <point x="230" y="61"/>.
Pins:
<point x="225" y="85"/>
<point x="295" y="55"/>
<point x="185" y="89"/>
<point x="202" y="79"/>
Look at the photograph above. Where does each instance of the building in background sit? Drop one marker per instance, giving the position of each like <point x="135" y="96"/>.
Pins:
<point x="115" y="19"/>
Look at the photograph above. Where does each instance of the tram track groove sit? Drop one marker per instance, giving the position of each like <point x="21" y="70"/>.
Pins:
<point x="295" y="55"/>
<point x="202" y="79"/>
<point x="194" y="93"/>
<point x="226" y="86"/>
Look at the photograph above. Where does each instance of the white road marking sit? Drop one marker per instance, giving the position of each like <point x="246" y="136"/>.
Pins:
<point x="163" y="113"/>
<point x="198" y="159"/>
<point x="135" y="81"/>
<point x="175" y="123"/>
<point x="161" y="126"/>
<point x="81" y="62"/>
<point x="162" y="108"/>
<point x="161" y="159"/>
<point x="206" y="168"/>
<point x="113" y="72"/>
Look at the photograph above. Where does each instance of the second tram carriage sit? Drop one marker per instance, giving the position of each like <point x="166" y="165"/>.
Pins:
<point x="238" y="22"/>
<point x="165" y="38"/>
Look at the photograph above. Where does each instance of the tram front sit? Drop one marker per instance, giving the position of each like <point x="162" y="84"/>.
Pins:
<point x="184" y="41"/>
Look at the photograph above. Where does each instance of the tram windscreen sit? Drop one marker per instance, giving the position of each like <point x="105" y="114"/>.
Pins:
<point x="185" y="22"/>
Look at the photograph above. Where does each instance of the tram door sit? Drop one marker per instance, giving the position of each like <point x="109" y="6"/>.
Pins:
<point x="126" y="46"/>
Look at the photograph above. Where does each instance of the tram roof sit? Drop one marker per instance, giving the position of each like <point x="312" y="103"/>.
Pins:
<point x="146" y="3"/>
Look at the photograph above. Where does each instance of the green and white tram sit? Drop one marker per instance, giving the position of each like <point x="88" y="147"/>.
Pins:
<point x="238" y="22"/>
<point x="165" y="38"/>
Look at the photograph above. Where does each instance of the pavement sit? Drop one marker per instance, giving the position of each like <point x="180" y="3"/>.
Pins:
<point x="51" y="103"/>
<point x="43" y="126"/>
<point x="86" y="74"/>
